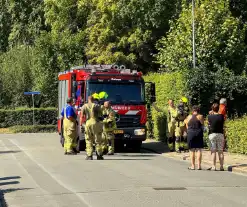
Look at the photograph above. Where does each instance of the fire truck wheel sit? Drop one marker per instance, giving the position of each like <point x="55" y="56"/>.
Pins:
<point x="136" y="145"/>
<point x="119" y="146"/>
<point x="82" y="145"/>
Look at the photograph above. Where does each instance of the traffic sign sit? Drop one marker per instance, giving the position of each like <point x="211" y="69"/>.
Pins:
<point x="32" y="93"/>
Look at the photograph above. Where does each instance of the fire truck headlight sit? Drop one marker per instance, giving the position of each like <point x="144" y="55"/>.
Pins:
<point x="139" y="132"/>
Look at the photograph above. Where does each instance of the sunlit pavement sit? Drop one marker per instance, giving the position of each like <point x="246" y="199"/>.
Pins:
<point x="35" y="172"/>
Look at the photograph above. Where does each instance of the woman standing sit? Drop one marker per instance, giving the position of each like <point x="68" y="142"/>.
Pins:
<point x="195" y="124"/>
<point x="216" y="136"/>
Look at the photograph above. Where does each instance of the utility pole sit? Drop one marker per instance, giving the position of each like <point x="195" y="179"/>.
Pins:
<point x="32" y="93"/>
<point x="33" y="108"/>
<point x="193" y="34"/>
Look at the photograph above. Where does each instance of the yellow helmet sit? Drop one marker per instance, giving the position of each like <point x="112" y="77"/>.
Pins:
<point x="96" y="96"/>
<point x="103" y="95"/>
<point x="184" y="100"/>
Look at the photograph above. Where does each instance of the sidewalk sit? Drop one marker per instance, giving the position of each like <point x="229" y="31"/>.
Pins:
<point x="233" y="162"/>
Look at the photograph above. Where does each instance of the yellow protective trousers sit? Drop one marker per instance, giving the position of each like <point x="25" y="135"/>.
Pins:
<point x="108" y="138"/>
<point x="70" y="134"/>
<point x="171" y="135"/>
<point x="181" y="138"/>
<point x="93" y="134"/>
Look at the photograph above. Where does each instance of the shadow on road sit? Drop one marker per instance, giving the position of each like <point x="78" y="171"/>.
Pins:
<point x="3" y="202"/>
<point x="155" y="147"/>
<point x="233" y="166"/>
<point x="141" y="155"/>
<point x="11" y="182"/>
<point x="10" y="151"/>
<point x="14" y="189"/>
<point x="11" y="177"/>
<point x="125" y="159"/>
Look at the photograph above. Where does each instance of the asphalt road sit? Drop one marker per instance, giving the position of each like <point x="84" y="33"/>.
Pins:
<point x="34" y="172"/>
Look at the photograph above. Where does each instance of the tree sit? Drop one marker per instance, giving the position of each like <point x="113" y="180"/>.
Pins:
<point x="5" y="25"/>
<point x="239" y="9"/>
<point x="219" y="39"/>
<point x="67" y="19"/>
<point x="16" y="76"/>
<point x="125" y="32"/>
<point x="27" y="21"/>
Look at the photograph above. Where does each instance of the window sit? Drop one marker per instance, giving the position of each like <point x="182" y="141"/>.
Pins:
<point x="125" y="92"/>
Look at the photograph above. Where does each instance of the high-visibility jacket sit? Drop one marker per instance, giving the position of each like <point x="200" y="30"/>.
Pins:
<point x="87" y="109"/>
<point x="107" y="111"/>
<point x="181" y="117"/>
<point x="109" y="124"/>
<point x="172" y="114"/>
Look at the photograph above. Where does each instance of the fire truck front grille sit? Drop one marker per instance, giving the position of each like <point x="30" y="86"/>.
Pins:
<point x="129" y="121"/>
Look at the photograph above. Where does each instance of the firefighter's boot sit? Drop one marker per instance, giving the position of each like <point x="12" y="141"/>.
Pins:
<point x="100" y="157"/>
<point x="89" y="157"/>
<point x="178" y="144"/>
<point x="111" y="146"/>
<point x="170" y="143"/>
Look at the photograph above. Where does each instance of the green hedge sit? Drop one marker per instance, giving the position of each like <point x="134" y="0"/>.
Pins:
<point x="168" y="85"/>
<point x="33" y="129"/>
<point x="172" y="85"/>
<point x="236" y="134"/>
<point x="236" y="131"/>
<point x="43" y="116"/>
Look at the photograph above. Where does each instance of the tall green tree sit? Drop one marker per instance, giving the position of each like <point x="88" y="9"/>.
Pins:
<point x="125" y="32"/>
<point x="239" y="9"/>
<point x="5" y="25"/>
<point x="27" y="21"/>
<point x="219" y="39"/>
<point x="16" y="75"/>
<point x="68" y="19"/>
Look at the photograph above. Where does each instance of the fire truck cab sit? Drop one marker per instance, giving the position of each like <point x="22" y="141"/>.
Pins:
<point x="125" y="90"/>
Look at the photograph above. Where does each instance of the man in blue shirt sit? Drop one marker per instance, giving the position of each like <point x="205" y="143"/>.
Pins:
<point x="69" y="127"/>
<point x="70" y="111"/>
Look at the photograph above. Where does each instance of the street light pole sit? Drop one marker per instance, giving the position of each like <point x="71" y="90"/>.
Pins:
<point x="32" y="93"/>
<point x="193" y="34"/>
<point x="33" y="107"/>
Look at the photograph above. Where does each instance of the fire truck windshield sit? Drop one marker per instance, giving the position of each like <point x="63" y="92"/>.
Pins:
<point x="118" y="92"/>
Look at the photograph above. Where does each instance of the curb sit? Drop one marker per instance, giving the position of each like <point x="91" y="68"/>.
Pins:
<point x="228" y="168"/>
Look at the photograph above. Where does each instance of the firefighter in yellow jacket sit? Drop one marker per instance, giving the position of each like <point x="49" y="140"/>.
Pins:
<point x="109" y="125"/>
<point x="106" y="110"/>
<point x="181" y="132"/>
<point x="171" y="125"/>
<point x="93" y="131"/>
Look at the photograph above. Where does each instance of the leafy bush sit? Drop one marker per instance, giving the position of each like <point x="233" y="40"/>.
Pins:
<point x="33" y="129"/>
<point x="220" y="38"/>
<point x="205" y="87"/>
<point x="15" y="76"/>
<point x="168" y="85"/>
<point x="43" y="116"/>
<point x="236" y="135"/>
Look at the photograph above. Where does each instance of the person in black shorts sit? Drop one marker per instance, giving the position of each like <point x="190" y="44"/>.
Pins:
<point x="195" y="124"/>
<point x="216" y="136"/>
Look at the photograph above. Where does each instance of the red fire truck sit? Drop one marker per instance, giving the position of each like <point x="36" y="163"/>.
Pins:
<point x="125" y="90"/>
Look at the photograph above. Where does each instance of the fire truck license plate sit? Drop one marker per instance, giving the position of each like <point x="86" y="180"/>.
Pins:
<point x="118" y="132"/>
